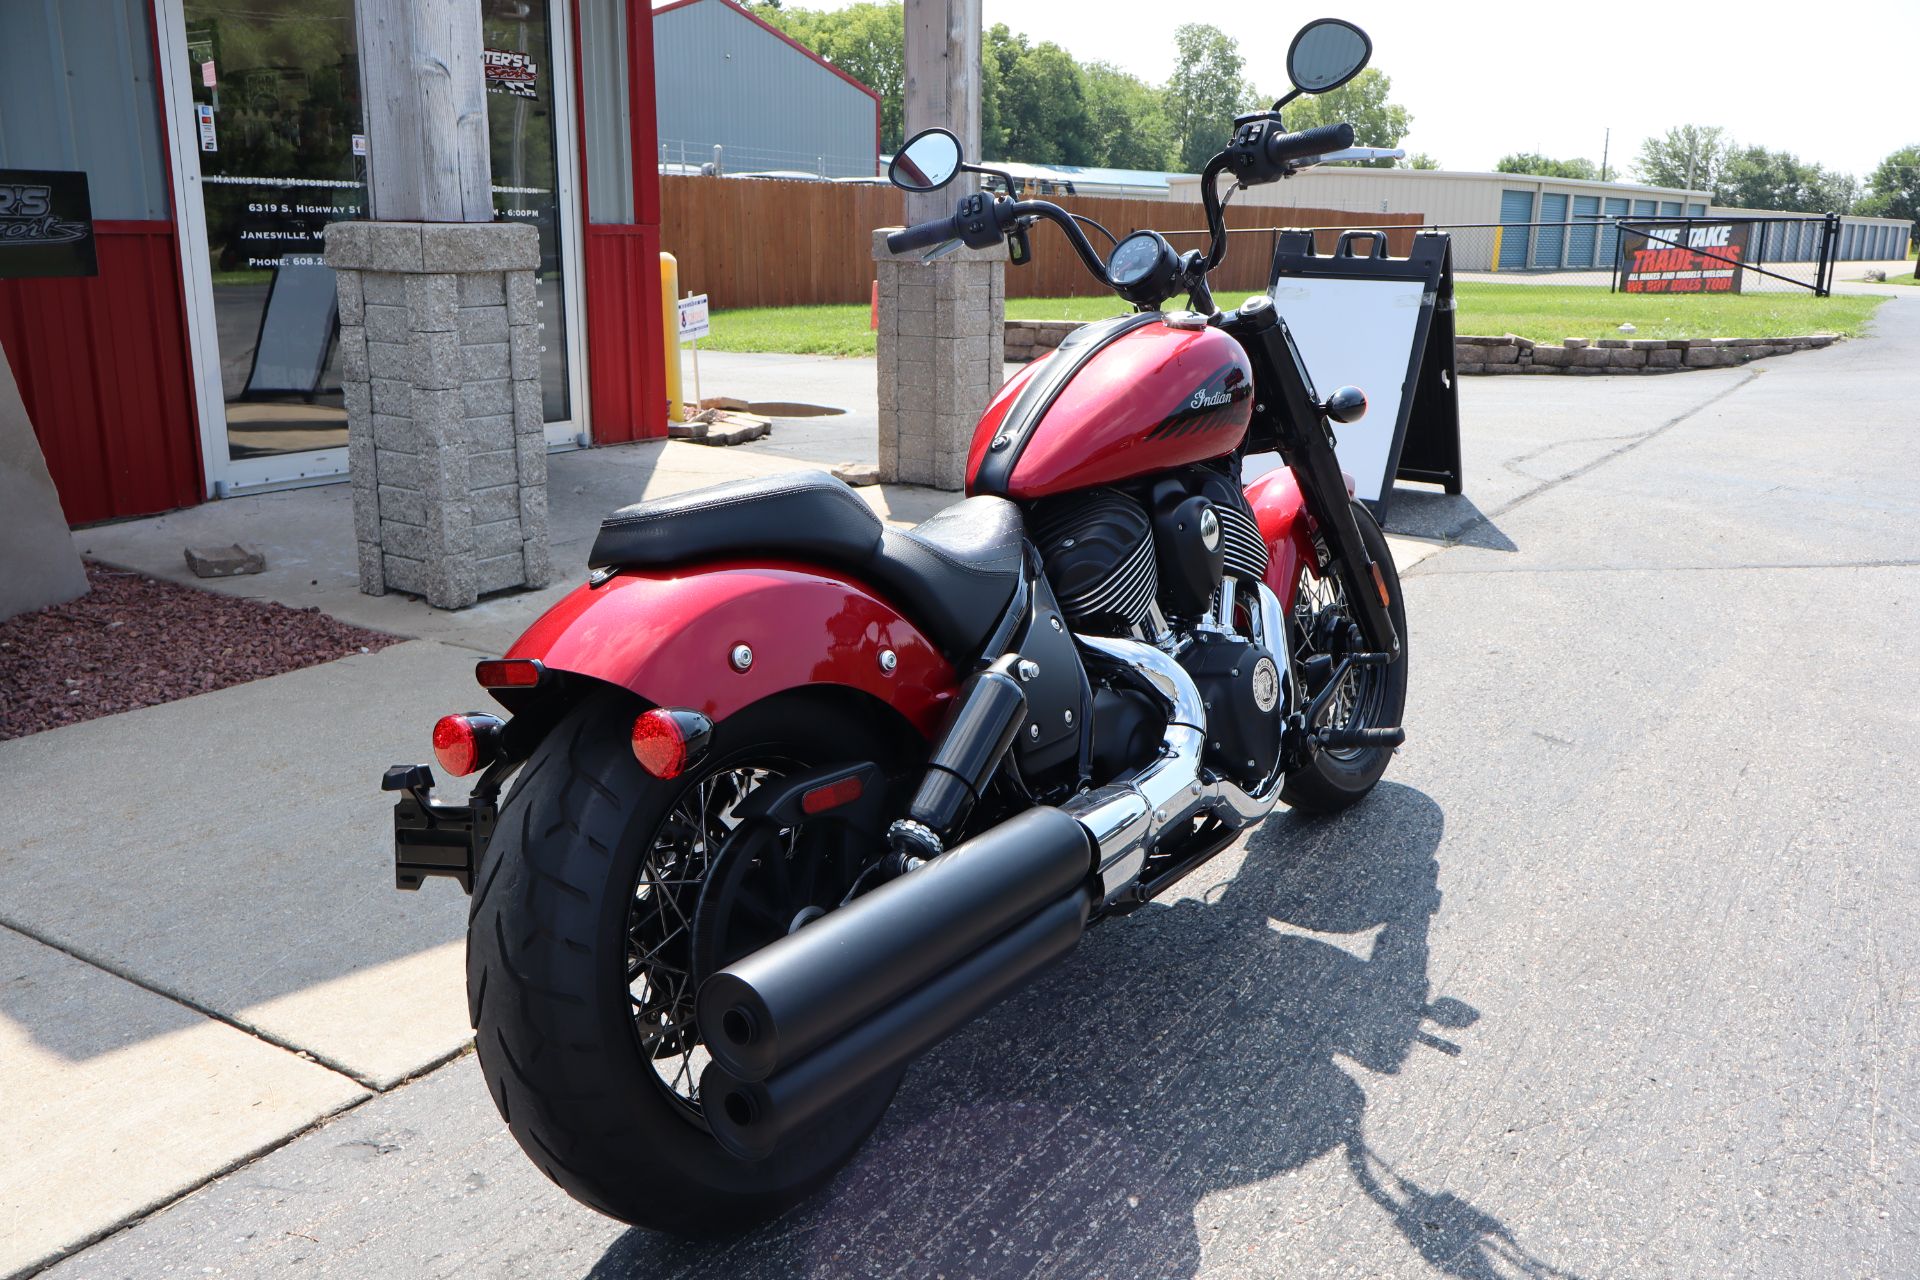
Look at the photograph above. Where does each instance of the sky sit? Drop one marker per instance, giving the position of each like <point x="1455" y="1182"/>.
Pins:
<point x="1829" y="83"/>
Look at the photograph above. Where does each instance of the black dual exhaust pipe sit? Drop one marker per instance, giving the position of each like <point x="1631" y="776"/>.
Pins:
<point x="804" y="1023"/>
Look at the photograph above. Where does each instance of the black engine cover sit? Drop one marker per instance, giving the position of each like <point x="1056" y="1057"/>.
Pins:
<point x="1241" y="686"/>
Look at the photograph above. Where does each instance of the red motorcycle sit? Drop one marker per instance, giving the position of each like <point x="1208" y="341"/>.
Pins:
<point x="798" y="794"/>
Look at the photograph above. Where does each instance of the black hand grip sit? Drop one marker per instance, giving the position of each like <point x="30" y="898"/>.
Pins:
<point x="924" y="236"/>
<point x="1283" y="147"/>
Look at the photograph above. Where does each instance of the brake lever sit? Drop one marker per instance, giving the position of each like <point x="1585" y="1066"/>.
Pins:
<point x="941" y="250"/>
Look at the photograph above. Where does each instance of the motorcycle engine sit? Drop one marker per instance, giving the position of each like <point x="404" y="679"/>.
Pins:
<point x="1110" y="557"/>
<point x="1097" y="548"/>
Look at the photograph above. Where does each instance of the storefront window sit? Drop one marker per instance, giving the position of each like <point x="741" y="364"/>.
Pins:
<point x="282" y="150"/>
<point x="276" y="100"/>
<point x="520" y="116"/>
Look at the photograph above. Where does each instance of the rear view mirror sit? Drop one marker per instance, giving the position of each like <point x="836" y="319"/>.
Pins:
<point x="927" y="163"/>
<point x="1326" y="54"/>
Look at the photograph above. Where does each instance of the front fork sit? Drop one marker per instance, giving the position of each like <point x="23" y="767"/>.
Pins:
<point x="1300" y="424"/>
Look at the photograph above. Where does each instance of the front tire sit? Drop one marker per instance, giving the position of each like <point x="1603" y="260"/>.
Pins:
<point x="598" y="1084"/>
<point x="1373" y="697"/>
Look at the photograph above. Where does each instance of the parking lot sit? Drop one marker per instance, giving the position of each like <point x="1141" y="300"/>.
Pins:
<point x="1614" y="976"/>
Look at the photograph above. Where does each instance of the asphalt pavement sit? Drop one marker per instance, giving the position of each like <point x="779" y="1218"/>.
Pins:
<point x="1615" y="975"/>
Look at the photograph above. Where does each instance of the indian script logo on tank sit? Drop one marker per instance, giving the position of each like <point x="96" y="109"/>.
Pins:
<point x="507" y="72"/>
<point x="1683" y="258"/>
<point x="1208" y="405"/>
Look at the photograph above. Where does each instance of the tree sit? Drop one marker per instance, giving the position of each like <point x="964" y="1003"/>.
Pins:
<point x="867" y="41"/>
<point x="1686" y="150"/>
<point x="1545" y="166"/>
<point x="1204" y="93"/>
<point x="1128" y="119"/>
<point x="1033" y="102"/>
<point x="1893" y="188"/>
<point x="1421" y="160"/>
<point x="1362" y="102"/>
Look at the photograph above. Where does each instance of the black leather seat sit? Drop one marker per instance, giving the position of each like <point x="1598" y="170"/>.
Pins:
<point x="953" y="574"/>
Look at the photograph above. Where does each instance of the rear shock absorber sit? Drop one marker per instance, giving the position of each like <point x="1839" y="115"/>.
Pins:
<point x="978" y="732"/>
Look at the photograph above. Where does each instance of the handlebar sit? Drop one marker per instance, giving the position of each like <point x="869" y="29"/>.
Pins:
<point x="988" y="220"/>
<point x="923" y="235"/>
<point x="1284" y="148"/>
<point x="1258" y="154"/>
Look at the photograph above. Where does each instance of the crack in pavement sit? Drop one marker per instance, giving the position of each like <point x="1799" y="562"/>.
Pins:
<point x="188" y="1002"/>
<point x="1485" y="519"/>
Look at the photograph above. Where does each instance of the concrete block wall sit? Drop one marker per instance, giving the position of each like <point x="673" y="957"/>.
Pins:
<point x="446" y="437"/>
<point x="940" y="354"/>
<point x="1510" y="353"/>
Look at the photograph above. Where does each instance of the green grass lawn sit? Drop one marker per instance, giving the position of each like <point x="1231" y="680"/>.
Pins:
<point x="1543" y="313"/>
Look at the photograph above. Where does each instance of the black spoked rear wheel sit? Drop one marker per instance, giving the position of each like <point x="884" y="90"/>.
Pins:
<point x="1366" y="698"/>
<point x="603" y="900"/>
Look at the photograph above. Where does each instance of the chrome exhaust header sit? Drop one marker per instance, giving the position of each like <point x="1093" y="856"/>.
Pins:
<point x="1126" y="818"/>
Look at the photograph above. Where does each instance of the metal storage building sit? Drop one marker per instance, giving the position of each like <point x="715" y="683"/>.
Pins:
<point x="724" y="78"/>
<point x="1451" y="198"/>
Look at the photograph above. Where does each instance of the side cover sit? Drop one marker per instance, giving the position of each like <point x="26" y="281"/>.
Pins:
<point x="670" y="636"/>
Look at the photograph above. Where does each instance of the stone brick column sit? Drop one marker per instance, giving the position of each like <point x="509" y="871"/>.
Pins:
<point x="941" y="357"/>
<point x="446" y="441"/>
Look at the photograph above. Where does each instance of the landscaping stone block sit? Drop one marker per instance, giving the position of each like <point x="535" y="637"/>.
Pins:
<point x="224" y="562"/>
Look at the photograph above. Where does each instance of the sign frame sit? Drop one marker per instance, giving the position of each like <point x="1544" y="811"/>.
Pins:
<point x="1425" y="441"/>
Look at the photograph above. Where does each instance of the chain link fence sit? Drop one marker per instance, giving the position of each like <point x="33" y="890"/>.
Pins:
<point x="1669" y="255"/>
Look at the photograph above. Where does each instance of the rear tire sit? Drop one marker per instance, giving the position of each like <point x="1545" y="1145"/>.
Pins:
<point x="548" y="973"/>
<point x="1332" y="781"/>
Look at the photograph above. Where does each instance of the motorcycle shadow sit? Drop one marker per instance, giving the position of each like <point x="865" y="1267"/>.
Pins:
<point x="1185" y="1051"/>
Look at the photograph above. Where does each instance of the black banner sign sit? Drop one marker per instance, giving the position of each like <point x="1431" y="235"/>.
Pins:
<point x="1699" y="257"/>
<point x="46" y="224"/>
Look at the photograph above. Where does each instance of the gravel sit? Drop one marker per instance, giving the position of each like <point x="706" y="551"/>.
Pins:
<point x="135" y="641"/>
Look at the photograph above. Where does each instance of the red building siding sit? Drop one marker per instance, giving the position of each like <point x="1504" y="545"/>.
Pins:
<point x="626" y="360"/>
<point x="104" y="368"/>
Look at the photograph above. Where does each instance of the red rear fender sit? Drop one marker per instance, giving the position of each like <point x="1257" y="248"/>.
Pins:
<point x="669" y="636"/>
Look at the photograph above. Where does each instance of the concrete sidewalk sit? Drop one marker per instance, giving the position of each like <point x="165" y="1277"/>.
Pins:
<point x="204" y="955"/>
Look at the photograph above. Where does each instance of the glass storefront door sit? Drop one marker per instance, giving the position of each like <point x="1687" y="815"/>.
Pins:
<point x="273" y="118"/>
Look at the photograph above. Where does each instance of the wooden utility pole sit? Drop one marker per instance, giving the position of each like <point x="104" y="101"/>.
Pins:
<point x="942" y="89"/>
<point x="941" y="325"/>
<point x="424" y="92"/>
<point x="439" y="326"/>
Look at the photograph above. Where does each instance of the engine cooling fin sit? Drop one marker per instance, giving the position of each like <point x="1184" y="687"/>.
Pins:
<point x="1243" y="550"/>
<point x="1098" y="551"/>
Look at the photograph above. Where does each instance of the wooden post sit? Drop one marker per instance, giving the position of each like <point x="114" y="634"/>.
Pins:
<point x="942" y="76"/>
<point x="424" y="93"/>
<point x="941" y="333"/>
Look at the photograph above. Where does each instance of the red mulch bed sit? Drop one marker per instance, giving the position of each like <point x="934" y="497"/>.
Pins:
<point x="135" y="641"/>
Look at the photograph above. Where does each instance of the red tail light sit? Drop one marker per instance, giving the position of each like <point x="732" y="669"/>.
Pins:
<point x="467" y="743"/>
<point x="668" y="739"/>
<point x="508" y="673"/>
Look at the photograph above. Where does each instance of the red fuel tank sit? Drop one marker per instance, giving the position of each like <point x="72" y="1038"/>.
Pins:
<point x="1119" y="399"/>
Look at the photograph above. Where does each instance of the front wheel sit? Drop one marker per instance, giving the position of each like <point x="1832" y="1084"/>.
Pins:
<point x="1368" y="697"/>
<point x="602" y="901"/>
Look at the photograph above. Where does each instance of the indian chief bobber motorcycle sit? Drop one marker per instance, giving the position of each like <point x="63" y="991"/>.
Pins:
<point x="799" y="794"/>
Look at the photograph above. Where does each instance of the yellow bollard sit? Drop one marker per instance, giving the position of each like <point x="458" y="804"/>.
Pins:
<point x="670" y="320"/>
<point x="1491" y="266"/>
